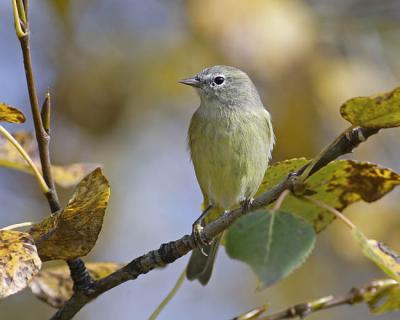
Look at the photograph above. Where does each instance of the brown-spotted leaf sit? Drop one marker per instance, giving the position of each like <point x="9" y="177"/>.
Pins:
<point x="385" y="258"/>
<point x="73" y="231"/>
<point x="19" y="261"/>
<point x="54" y="285"/>
<point x="380" y="111"/>
<point x="65" y="176"/>
<point x="11" y="114"/>
<point x="339" y="184"/>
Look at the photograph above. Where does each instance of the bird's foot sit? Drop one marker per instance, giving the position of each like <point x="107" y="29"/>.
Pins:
<point x="199" y="237"/>
<point x="246" y="204"/>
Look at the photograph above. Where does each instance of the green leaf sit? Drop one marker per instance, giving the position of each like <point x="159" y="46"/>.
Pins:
<point x="338" y="184"/>
<point x="386" y="259"/>
<point x="273" y="244"/>
<point x="380" y="111"/>
<point x="65" y="176"/>
<point x="11" y="114"/>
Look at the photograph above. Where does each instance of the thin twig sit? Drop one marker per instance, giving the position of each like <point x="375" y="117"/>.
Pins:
<point x="77" y="266"/>
<point x="362" y="294"/>
<point x="169" y="252"/>
<point x="42" y="137"/>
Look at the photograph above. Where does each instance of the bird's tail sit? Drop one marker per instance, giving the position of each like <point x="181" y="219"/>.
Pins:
<point x="201" y="264"/>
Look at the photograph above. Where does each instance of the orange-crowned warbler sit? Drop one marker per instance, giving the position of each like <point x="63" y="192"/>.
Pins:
<point x="230" y="140"/>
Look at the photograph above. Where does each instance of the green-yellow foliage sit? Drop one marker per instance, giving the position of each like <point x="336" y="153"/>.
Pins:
<point x="380" y="111"/>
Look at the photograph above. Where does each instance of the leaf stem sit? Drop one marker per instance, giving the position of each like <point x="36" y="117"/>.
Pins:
<point x="21" y="10"/>
<point x="43" y="185"/>
<point x="337" y="213"/>
<point x="18" y="225"/>
<point x="279" y="201"/>
<point x="19" y="14"/>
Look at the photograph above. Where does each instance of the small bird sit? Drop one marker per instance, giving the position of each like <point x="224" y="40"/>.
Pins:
<point x="230" y="140"/>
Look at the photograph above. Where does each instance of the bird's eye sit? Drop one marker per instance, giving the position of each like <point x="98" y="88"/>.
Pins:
<point x="219" y="80"/>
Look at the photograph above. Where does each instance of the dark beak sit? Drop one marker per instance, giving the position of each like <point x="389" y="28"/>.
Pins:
<point x="191" y="82"/>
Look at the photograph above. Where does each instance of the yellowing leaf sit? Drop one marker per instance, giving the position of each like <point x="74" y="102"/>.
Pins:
<point x="338" y="184"/>
<point x="54" y="285"/>
<point x="73" y="231"/>
<point x="11" y="114"/>
<point x="381" y="111"/>
<point x="386" y="299"/>
<point x="65" y="176"/>
<point x="386" y="259"/>
<point x="70" y="175"/>
<point x="19" y="261"/>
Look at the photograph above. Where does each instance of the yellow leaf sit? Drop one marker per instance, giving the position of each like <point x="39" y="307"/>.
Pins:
<point x="65" y="176"/>
<point x="73" y="231"/>
<point x="386" y="259"/>
<point x="380" y="111"/>
<point x="11" y="114"/>
<point x="54" y="285"/>
<point x="19" y="261"/>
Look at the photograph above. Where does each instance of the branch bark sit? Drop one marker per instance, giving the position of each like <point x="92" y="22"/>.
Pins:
<point x="171" y="251"/>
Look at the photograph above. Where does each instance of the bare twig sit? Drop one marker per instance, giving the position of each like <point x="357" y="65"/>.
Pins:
<point x="43" y="139"/>
<point x="362" y="294"/>
<point x="79" y="273"/>
<point x="169" y="252"/>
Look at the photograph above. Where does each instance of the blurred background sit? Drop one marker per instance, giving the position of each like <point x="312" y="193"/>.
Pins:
<point x="112" y="69"/>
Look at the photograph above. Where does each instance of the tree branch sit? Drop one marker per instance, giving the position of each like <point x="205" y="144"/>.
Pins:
<point x="362" y="294"/>
<point x="79" y="273"/>
<point x="169" y="252"/>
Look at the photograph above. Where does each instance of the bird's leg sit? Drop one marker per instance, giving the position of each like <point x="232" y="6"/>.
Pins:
<point x="246" y="204"/>
<point x="197" y="230"/>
